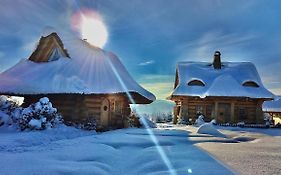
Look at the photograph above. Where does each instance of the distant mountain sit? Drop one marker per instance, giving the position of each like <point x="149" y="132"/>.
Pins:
<point x="158" y="106"/>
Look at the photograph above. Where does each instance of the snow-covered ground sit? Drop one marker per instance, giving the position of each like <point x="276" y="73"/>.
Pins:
<point x="66" y="150"/>
<point x="248" y="151"/>
<point x="128" y="151"/>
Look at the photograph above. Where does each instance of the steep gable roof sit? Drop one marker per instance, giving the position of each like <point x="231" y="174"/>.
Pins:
<point x="90" y="70"/>
<point x="49" y="49"/>
<point x="227" y="81"/>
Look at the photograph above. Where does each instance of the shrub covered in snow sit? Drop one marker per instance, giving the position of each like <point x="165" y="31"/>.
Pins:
<point x="37" y="116"/>
<point x="199" y="121"/>
<point x="87" y="124"/>
<point x="40" y="115"/>
<point x="133" y="121"/>
<point x="146" y="123"/>
<point x="9" y="111"/>
<point x="181" y="121"/>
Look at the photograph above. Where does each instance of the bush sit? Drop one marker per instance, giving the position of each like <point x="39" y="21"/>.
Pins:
<point x="133" y="121"/>
<point x="88" y="124"/>
<point x="40" y="115"/>
<point x="181" y="121"/>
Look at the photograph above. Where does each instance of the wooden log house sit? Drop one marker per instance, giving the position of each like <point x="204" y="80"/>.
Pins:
<point x="83" y="82"/>
<point x="229" y="92"/>
<point x="273" y="108"/>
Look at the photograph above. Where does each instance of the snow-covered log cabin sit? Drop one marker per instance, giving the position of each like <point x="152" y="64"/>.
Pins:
<point x="229" y="92"/>
<point x="273" y="108"/>
<point x="83" y="82"/>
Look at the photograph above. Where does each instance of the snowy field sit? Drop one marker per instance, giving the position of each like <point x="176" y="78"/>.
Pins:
<point x="128" y="151"/>
<point x="66" y="150"/>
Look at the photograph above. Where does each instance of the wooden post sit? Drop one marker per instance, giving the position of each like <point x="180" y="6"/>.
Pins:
<point x="232" y="114"/>
<point x="259" y="112"/>
<point x="216" y="110"/>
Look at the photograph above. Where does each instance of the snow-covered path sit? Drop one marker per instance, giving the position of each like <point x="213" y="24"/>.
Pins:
<point x="126" y="151"/>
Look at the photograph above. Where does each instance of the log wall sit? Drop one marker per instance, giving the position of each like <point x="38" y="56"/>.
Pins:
<point x="76" y="108"/>
<point x="224" y="110"/>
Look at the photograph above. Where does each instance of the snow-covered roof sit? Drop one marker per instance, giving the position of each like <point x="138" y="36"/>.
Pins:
<point x="227" y="81"/>
<point x="89" y="70"/>
<point x="272" y="106"/>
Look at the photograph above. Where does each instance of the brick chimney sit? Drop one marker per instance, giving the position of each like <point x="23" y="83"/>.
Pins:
<point x="217" y="60"/>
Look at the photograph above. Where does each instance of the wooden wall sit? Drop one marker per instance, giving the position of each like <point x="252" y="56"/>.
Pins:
<point x="76" y="108"/>
<point x="224" y="110"/>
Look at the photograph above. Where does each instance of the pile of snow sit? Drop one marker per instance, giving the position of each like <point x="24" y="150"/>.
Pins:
<point x="199" y="121"/>
<point x="214" y="122"/>
<point x="209" y="129"/>
<point x="145" y="122"/>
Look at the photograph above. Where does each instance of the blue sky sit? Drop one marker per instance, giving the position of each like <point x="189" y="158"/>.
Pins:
<point x="150" y="37"/>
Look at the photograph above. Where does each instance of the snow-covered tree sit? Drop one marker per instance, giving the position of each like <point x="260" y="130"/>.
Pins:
<point x="40" y="115"/>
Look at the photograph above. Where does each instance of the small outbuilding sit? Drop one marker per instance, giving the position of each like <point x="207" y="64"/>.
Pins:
<point x="229" y="92"/>
<point x="273" y="108"/>
<point x="82" y="81"/>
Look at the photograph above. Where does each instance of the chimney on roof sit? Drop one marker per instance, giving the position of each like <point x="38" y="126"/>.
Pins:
<point x="217" y="60"/>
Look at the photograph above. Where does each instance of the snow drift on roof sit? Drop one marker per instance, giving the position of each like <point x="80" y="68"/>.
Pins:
<point x="272" y="106"/>
<point x="90" y="70"/>
<point x="227" y="81"/>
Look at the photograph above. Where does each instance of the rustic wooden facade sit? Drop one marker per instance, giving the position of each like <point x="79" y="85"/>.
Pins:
<point x="108" y="110"/>
<point x="223" y="109"/>
<point x="219" y="91"/>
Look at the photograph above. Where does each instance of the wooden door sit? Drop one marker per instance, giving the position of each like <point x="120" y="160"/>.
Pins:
<point x="224" y="112"/>
<point x="105" y="110"/>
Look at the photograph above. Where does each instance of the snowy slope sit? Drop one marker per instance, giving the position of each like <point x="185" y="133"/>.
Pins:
<point x="220" y="82"/>
<point x="90" y="70"/>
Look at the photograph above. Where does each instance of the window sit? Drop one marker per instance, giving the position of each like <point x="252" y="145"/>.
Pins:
<point x="250" y="84"/>
<point x="195" y="83"/>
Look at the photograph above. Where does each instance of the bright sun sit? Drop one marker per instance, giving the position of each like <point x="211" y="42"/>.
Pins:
<point x="91" y="27"/>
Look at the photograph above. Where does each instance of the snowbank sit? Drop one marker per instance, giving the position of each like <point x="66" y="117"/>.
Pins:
<point x="209" y="129"/>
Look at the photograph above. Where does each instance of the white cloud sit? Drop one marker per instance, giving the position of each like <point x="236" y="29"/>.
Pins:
<point x="146" y="63"/>
<point x="203" y="48"/>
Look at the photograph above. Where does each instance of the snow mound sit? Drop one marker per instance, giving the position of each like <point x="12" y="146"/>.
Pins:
<point x="199" y="121"/>
<point x="208" y="128"/>
<point x="145" y="122"/>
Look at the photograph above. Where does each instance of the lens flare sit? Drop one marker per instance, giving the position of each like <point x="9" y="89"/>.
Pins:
<point x="91" y="27"/>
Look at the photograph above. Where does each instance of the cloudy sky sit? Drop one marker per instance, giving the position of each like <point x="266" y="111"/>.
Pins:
<point x="150" y="37"/>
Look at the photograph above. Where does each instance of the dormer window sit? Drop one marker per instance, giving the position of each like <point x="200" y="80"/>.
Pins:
<point x="195" y="83"/>
<point x="250" y="84"/>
